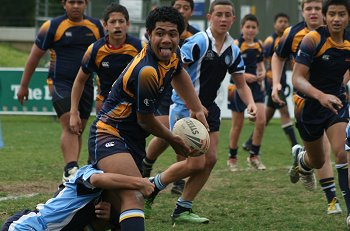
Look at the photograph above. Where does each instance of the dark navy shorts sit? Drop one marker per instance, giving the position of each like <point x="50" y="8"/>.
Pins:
<point x="272" y="104"/>
<point x="312" y="119"/>
<point x="102" y="144"/>
<point x="235" y="102"/>
<point x="61" y="100"/>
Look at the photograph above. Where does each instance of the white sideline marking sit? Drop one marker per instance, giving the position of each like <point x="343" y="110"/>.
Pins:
<point x="18" y="197"/>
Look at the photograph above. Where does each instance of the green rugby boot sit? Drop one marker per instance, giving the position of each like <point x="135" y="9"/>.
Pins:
<point x="188" y="217"/>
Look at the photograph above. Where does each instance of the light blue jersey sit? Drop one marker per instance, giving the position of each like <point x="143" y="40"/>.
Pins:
<point x="206" y="67"/>
<point x="57" y="212"/>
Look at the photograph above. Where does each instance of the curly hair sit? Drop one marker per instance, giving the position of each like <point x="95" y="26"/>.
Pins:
<point x="165" y="14"/>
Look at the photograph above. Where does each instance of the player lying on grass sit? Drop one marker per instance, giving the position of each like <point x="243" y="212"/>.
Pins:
<point x="74" y="206"/>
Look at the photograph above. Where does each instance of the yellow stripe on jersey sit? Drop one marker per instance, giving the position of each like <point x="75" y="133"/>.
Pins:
<point x="299" y="105"/>
<point x="87" y="54"/>
<point x="64" y="25"/>
<point x="103" y="128"/>
<point x="45" y="27"/>
<point x="245" y="46"/>
<point x="268" y="41"/>
<point x="129" y="71"/>
<point x="104" y="51"/>
<point x="331" y="44"/>
<point x="298" y="37"/>
<point x="163" y="68"/>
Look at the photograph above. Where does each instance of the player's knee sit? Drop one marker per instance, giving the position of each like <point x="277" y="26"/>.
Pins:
<point x="318" y="162"/>
<point x="211" y="161"/>
<point x="196" y="164"/>
<point x="340" y="157"/>
<point x="131" y="199"/>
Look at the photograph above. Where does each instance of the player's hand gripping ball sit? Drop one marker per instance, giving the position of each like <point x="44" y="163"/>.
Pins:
<point x="194" y="134"/>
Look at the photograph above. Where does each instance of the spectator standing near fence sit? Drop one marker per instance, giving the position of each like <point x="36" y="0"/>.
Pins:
<point x="68" y="36"/>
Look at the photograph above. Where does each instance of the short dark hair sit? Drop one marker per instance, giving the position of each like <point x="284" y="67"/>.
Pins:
<point x="328" y="3"/>
<point x="165" y="14"/>
<point x="221" y="2"/>
<point x="189" y="1"/>
<point x="249" y="17"/>
<point x="280" y="15"/>
<point x="114" y="7"/>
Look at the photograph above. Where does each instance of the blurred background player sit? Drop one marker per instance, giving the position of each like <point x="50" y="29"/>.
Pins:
<point x="78" y="203"/>
<point x="157" y="145"/>
<point x="118" y="135"/>
<point x="281" y="22"/>
<point x="107" y="57"/>
<point x="252" y="53"/>
<point x="313" y="18"/>
<point x="206" y="54"/>
<point x="320" y="99"/>
<point x="68" y="36"/>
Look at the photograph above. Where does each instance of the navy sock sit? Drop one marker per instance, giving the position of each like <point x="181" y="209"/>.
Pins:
<point x="254" y="151"/>
<point x="182" y="206"/>
<point x="303" y="165"/>
<point x="133" y="219"/>
<point x="343" y="183"/>
<point x="250" y="139"/>
<point x="70" y="165"/>
<point x="328" y="187"/>
<point x="233" y="153"/>
<point x="148" y="163"/>
<point x="288" y="129"/>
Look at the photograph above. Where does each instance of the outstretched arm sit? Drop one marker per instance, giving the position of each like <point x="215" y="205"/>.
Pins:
<point x="277" y="65"/>
<point x="300" y="82"/>
<point x="77" y="91"/>
<point x="118" y="181"/>
<point x="33" y="60"/>
<point x="245" y="94"/>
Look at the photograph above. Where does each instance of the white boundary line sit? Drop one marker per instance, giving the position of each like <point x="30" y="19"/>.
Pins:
<point x="18" y="197"/>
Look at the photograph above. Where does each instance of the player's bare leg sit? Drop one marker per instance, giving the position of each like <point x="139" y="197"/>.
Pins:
<point x="255" y="160"/>
<point x="155" y="148"/>
<point x="237" y="121"/>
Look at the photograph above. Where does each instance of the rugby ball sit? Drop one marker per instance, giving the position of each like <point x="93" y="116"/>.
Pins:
<point x="194" y="134"/>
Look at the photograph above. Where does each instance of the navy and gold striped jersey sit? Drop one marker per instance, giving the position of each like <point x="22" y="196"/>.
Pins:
<point x="290" y="41"/>
<point x="109" y="62"/>
<point x="69" y="41"/>
<point x="251" y="54"/>
<point x="270" y="45"/>
<point x="139" y="88"/>
<point x="328" y="61"/>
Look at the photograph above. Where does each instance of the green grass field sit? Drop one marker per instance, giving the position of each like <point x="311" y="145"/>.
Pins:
<point x="31" y="164"/>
